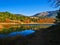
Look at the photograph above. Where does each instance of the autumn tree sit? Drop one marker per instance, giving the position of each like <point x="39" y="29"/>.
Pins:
<point x="57" y="4"/>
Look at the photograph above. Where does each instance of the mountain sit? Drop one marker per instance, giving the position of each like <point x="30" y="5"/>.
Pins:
<point x="47" y="14"/>
<point x="19" y="14"/>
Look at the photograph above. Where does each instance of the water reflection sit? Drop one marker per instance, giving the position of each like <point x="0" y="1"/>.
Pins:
<point x="22" y="30"/>
<point x="23" y="33"/>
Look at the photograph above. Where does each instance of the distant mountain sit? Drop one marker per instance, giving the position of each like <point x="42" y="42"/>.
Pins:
<point x="47" y="14"/>
<point x="19" y="14"/>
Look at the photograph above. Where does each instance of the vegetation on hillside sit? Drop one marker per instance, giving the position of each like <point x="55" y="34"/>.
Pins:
<point x="6" y="16"/>
<point x="16" y="18"/>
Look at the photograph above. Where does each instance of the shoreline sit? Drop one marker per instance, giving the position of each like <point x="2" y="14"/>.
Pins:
<point x="25" y="23"/>
<point x="7" y="24"/>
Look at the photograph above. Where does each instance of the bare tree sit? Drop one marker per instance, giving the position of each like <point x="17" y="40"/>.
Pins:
<point x="55" y="2"/>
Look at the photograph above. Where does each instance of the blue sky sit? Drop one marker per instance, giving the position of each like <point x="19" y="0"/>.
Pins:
<point x="25" y="7"/>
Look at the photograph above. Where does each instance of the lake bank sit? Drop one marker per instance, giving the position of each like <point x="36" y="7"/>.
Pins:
<point x="2" y="24"/>
<point x="25" y="23"/>
<point x="11" y="27"/>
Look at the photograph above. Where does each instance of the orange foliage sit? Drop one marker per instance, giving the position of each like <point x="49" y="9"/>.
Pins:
<point x="46" y="20"/>
<point x="7" y="20"/>
<point x="27" y="21"/>
<point x="7" y="26"/>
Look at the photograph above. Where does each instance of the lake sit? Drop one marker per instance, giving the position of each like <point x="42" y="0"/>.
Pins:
<point x="23" y="30"/>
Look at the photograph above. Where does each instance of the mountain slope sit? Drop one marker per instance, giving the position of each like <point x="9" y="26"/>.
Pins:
<point x="47" y="14"/>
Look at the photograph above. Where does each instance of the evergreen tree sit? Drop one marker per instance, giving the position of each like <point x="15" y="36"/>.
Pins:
<point x="58" y="16"/>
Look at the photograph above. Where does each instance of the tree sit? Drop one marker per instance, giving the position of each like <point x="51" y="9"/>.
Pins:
<point x="57" y="4"/>
<point x="58" y="16"/>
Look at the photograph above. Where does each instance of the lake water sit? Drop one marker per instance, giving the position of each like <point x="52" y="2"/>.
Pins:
<point x="21" y="33"/>
<point x="23" y="30"/>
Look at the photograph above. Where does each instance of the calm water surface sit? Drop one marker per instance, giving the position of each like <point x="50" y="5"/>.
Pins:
<point x="26" y="30"/>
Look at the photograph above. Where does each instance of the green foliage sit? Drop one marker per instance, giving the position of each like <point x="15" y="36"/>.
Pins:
<point x="58" y="17"/>
<point x="5" y="15"/>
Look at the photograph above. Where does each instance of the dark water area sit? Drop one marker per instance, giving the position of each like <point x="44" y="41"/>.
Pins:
<point x="24" y="30"/>
<point x="38" y="24"/>
<point x="21" y="33"/>
<point x="43" y="36"/>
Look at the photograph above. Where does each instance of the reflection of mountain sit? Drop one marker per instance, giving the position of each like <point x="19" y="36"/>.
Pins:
<point x="47" y="14"/>
<point x="48" y="36"/>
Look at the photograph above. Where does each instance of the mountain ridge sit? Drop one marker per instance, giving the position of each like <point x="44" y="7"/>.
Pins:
<point x="42" y="14"/>
<point x="47" y="14"/>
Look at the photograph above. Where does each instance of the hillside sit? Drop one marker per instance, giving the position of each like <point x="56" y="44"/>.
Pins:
<point x="7" y="17"/>
<point x="52" y="14"/>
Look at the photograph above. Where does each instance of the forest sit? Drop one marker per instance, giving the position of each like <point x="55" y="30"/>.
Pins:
<point x="7" y="17"/>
